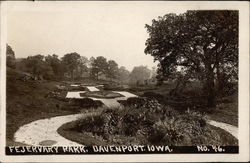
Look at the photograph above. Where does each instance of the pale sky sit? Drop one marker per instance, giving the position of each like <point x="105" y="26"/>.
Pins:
<point x="115" y="30"/>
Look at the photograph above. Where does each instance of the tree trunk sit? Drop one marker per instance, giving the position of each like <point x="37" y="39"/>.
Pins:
<point x="72" y="75"/>
<point x="210" y="87"/>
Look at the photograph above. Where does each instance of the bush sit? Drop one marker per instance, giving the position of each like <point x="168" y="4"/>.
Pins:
<point x="136" y="118"/>
<point x="154" y="95"/>
<point x="141" y="123"/>
<point x="101" y="94"/>
<point x="144" y="125"/>
<point x="90" y="124"/>
<point x="183" y="129"/>
<point x="86" y="103"/>
<point x="79" y="88"/>
<point x="111" y="87"/>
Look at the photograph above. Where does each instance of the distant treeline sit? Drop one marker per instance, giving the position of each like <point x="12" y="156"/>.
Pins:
<point x="74" y="66"/>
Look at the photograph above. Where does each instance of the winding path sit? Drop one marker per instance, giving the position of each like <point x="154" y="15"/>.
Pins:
<point x="43" y="132"/>
<point x="233" y="130"/>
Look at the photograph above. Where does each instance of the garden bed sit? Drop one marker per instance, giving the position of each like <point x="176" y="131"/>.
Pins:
<point x="101" y="94"/>
<point x="85" y="103"/>
<point x="147" y="123"/>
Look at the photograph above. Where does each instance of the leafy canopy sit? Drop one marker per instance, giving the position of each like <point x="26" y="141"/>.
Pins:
<point x="195" y="42"/>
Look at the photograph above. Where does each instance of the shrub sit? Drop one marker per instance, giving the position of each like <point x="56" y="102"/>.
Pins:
<point x="79" y="88"/>
<point x="101" y="94"/>
<point x="145" y="121"/>
<point x="92" y="124"/>
<point x="111" y="87"/>
<point x="154" y="95"/>
<point x="183" y="129"/>
<point x="133" y="125"/>
<point x="86" y="103"/>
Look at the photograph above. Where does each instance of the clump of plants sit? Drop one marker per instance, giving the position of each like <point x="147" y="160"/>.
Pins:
<point x="145" y="121"/>
<point x="101" y="94"/>
<point x="86" y="103"/>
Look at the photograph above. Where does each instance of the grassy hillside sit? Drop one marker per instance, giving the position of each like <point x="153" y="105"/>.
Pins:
<point x="26" y="102"/>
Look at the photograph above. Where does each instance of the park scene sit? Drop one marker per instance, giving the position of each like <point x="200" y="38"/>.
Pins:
<point x="183" y="93"/>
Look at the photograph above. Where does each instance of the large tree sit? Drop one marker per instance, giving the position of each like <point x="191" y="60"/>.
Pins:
<point x="71" y="61"/>
<point x="203" y="44"/>
<point x="56" y="65"/>
<point x="123" y="74"/>
<point x="139" y="75"/>
<point x="10" y="54"/>
<point x="83" y="66"/>
<point x="37" y="66"/>
<point x="98" y="66"/>
<point x="112" y="70"/>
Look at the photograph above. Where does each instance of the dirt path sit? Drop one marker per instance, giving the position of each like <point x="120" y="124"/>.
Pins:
<point x="233" y="130"/>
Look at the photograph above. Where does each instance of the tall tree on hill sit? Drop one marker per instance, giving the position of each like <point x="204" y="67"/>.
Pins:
<point x="10" y="54"/>
<point x="37" y="66"/>
<point x="203" y="43"/>
<point x="71" y="61"/>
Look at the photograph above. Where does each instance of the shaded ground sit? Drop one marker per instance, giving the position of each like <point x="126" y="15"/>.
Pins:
<point x="226" y="111"/>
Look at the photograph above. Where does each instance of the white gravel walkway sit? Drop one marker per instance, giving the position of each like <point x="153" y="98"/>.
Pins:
<point x="108" y="102"/>
<point x="74" y="94"/>
<point x="126" y="94"/>
<point x="44" y="132"/>
<point x="233" y="130"/>
<point x="91" y="88"/>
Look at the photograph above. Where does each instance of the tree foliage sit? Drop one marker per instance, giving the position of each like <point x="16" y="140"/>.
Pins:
<point x="99" y="66"/>
<point x="82" y="67"/>
<point x="37" y="66"/>
<point x="112" y="70"/>
<point x="123" y="74"/>
<point x="139" y="75"/>
<point x="55" y="63"/>
<point x="203" y="44"/>
<point x="71" y="62"/>
<point x="10" y="54"/>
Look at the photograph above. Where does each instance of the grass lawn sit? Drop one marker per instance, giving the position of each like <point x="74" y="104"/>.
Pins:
<point x="227" y="111"/>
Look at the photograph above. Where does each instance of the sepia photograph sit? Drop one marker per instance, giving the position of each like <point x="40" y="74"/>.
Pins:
<point x="122" y="78"/>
